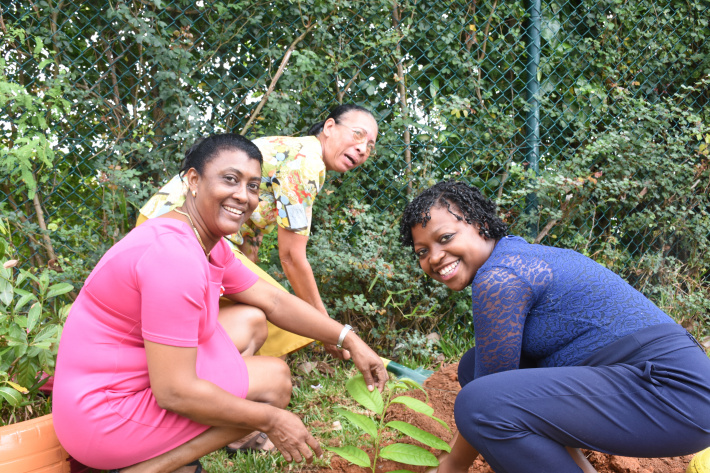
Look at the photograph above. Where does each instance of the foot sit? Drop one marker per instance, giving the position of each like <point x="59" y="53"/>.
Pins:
<point x="255" y="441"/>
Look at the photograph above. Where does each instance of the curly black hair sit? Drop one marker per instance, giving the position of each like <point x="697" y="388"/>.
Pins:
<point x="467" y="200"/>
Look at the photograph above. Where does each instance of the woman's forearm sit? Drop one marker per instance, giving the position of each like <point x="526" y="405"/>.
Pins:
<point x="223" y="409"/>
<point x="297" y="316"/>
<point x="177" y="388"/>
<point x="300" y="275"/>
<point x="292" y="253"/>
<point x="462" y="455"/>
<point x="290" y="312"/>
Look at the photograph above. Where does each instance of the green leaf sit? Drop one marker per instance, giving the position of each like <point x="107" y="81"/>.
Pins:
<point x="39" y="44"/>
<point x="16" y="336"/>
<point x="421" y="435"/>
<point x="362" y="421"/>
<point x="26" y="296"/>
<point x="59" y="289"/>
<point x="33" y="316"/>
<point x="43" y="282"/>
<point x="414" y="385"/>
<point x="24" y="275"/>
<point x="419" y="406"/>
<point x="36" y="347"/>
<point x="352" y="454"/>
<point x="409" y="454"/>
<point x="6" y="292"/>
<point x="434" y="87"/>
<point x="27" y="371"/>
<point x="415" y="405"/>
<point x="371" y="400"/>
<point x="49" y="334"/>
<point x="12" y="396"/>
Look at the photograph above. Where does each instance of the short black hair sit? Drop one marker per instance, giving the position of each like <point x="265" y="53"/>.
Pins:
<point x="475" y="207"/>
<point x="336" y="114"/>
<point x="207" y="148"/>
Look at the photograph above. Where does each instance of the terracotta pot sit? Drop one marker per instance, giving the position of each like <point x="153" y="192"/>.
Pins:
<point x="32" y="447"/>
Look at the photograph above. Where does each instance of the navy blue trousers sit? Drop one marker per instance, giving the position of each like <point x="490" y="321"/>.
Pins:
<point x="645" y="395"/>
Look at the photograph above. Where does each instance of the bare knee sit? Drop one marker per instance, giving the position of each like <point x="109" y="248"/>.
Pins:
<point x="282" y="384"/>
<point x="256" y="321"/>
<point x="245" y="325"/>
<point x="269" y="380"/>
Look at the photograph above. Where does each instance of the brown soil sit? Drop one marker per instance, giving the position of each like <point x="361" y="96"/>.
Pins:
<point x="442" y="387"/>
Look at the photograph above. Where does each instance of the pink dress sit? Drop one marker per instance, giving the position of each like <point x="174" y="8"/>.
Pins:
<point x="155" y="284"/>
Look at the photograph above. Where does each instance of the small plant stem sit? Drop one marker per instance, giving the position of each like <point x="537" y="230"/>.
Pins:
<point x="380" y="428"/>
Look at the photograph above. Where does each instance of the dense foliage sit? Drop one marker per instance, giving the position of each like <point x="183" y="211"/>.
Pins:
<point x="99" y="99"/>
<point x="31" y="321"/>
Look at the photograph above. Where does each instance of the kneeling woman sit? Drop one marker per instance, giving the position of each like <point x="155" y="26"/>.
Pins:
<point x="611" y="371"/>
<point x="148" y="379"/>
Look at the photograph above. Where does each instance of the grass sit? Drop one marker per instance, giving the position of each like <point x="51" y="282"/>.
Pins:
<point x="315" y="394"/>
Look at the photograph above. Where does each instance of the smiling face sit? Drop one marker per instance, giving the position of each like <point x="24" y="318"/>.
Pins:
<point x="450" y="250"/>
<point x="227" y="193"/>
<point x="347" y="143"/>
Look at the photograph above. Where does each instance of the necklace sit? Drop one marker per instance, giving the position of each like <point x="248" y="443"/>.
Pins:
<point x="194" y="229"/>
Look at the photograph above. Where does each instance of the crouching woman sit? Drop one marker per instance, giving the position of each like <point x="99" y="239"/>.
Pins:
<point x="151" y="375"/>
<point x="607" y="369"/>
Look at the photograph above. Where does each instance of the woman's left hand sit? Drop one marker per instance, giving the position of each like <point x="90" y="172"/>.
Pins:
<point x="367" y="361"/>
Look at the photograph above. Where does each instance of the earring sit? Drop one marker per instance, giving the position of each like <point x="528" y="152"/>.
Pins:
<point x="194" y="193"/>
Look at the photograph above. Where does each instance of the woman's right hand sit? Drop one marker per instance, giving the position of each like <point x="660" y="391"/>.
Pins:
<point x="291" y="437"/>
<point x="370" y="365"/>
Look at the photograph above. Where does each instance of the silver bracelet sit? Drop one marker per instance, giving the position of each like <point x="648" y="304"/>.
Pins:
<point x="343" y="332"/>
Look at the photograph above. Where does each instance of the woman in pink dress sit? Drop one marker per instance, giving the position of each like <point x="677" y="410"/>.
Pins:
<point x="150" y="374"/>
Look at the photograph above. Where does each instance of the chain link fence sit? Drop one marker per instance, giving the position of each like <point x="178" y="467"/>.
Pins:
<point x="587" y="121"/>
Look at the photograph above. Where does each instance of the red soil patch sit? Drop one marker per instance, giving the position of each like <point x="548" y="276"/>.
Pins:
<point x="442" y="388"/>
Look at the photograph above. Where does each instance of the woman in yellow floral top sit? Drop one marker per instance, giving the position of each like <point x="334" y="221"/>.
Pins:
<point x="292" y="175"/>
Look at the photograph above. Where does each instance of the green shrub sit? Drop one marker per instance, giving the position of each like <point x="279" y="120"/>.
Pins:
<point x="366" y="278"/>
<point x="31" y="320"/>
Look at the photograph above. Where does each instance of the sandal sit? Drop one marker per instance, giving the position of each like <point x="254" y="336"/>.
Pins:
<point x="254" y="442"/>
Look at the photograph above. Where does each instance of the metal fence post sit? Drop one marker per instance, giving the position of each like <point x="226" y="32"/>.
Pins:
<point x="532" y="86"/>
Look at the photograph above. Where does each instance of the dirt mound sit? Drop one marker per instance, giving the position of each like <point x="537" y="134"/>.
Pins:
<point x="442" y="388"/>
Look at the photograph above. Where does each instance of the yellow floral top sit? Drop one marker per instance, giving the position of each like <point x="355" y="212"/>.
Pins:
<point x="292" y="175"/>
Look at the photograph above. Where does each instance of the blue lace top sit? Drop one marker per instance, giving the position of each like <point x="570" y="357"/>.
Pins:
<point x="553" y="306"/>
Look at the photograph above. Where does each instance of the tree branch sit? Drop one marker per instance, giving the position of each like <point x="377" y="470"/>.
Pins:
<point x="566" y="208"/>
<point x="42" y="224"/>
<point x="341" y="93"/>
<point x="23" y="219"/>
<point x="276" y="78"/>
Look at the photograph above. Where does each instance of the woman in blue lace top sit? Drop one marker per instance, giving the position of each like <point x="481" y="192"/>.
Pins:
<point x="612" y="372"/>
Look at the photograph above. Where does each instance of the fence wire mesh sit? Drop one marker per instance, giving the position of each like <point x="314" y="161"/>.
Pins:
<point x="586" y="120"/>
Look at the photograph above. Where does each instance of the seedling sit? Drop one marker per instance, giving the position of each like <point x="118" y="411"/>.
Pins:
<point x="375" y="427"/>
